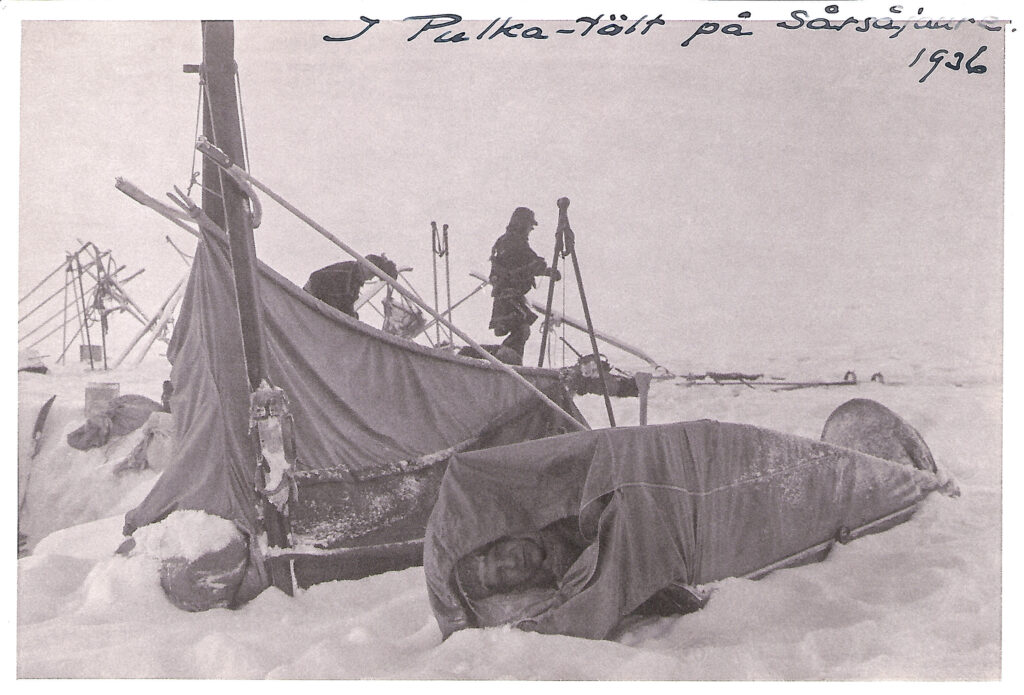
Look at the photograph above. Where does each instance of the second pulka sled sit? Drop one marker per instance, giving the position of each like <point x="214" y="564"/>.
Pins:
<point x="565" y="245"/>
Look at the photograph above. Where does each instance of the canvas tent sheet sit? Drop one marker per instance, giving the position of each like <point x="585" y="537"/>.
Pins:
<point x="363" y="401"/>
<point x="693" y="502"/>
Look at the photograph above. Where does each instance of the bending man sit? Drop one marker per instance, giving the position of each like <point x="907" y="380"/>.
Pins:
<point x="340" y="284"/>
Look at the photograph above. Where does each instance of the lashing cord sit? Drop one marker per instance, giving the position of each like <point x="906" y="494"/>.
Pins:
<point x="204" y="94"/>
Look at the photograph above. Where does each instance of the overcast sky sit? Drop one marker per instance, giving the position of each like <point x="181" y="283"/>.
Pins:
<point x="797" y="178"/>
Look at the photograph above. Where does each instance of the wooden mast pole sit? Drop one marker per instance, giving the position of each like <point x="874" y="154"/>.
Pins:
<point x="223" y="200"/>
<point x="240" y="174"/>
<point x="225" y="203"/>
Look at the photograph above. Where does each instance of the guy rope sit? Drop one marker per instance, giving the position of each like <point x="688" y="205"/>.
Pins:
<point x="215" y="155"/>
<point x="440" y="249"/>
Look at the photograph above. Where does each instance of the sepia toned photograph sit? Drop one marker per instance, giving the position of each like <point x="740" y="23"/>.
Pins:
<point x="536" y="343"/>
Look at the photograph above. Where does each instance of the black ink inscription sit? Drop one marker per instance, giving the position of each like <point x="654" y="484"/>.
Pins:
<point x="709" y="28"/>
<point x="800" y="21"/>
<point x="510" y="29"/>
<point x="957" y="59"/>
<point x="369" y="23"/>
<point x="442" y="28"/>
<point x="439" y="21"/>
<point x="613" y="28"/>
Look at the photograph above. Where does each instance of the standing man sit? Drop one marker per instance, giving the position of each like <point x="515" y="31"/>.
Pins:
<point x="514" y="265"/>
<point x="340" y="284"/>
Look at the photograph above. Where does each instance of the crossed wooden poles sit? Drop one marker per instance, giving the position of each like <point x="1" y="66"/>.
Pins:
<point x="191" y="213"/>
<point x="565" y="246"/>
<point x="93" y="288"/>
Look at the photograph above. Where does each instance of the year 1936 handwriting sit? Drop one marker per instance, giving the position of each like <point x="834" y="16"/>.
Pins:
<point x="448" y="29"/>
<point x="938" y="56"/>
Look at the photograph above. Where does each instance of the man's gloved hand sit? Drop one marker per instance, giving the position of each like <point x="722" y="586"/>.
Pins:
<point x="554" y="274"/>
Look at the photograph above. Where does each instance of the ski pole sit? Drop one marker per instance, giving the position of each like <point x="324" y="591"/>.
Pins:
<point x="211" y="152"/>
<point x="448" y="281"/>
<point x="434" y="253"/>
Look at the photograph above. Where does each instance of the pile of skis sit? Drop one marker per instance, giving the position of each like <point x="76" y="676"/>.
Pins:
<point x="774" y="382"/>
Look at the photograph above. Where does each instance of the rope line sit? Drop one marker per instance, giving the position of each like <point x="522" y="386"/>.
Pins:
<point x="194" y="175"/>
<point x="241" y="119"/>
<point x="448" y="281"/>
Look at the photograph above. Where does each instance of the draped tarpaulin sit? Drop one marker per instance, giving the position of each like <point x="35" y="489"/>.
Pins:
<point x="690" y="502"/>
<point x="363" y="401"/>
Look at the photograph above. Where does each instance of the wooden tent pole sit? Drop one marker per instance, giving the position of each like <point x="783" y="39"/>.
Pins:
<point x="70" y="340"/>
<point x="85" y="311"/>
<point x="43" y="303"/>
<point x="52" y="331"/>
<point x="457" y="304"/>
<point x="374" y="291"/>
<point x="41" y="283"/>
<point x="169" y="213"/>
<point x="128" y="303"/>
<point x="184" y="256"/>
<point x="570" y="243"/>
<point x="212" y="153"/>
<point x="434" y="252"/>
<point x="223" y="198"/>
<point x="64" y="333"/>
<point x="558" y="317"/>
<point x="447" y="277"/>
<point x="643" y="387"/>
<point x="546" y="326"/>
<point x="42" y="323"/>
<point x="226" y="205"/>
<point x="151" y="325"/>
<point x="166" y="313"/>
<point x="136" y="194"/>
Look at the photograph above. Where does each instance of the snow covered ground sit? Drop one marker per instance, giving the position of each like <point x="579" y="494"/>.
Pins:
<point x="788" y="203"/>
<point x="921" y="601"/>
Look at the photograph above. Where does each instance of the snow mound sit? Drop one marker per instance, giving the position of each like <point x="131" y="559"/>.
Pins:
<point x="922" y="601"/>
<point x="185" y="534"/>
